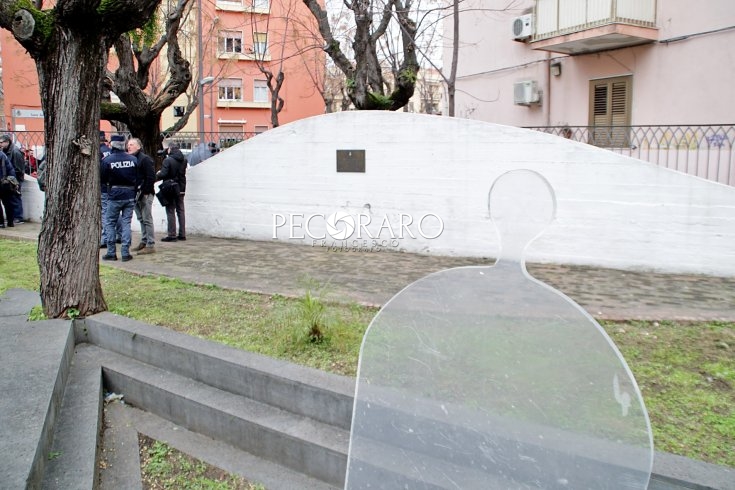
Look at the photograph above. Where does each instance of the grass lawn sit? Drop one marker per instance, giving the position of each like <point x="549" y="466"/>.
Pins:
<point x="686" y="371"/>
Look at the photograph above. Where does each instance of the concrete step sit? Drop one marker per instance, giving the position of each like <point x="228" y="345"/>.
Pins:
<point x="74" y="456"/>
<point x="120" y="448"/>
<point x="296" y="442"/>
<point x="18" y="303"/>
<point x="123" y="471"/>
<point x="308" y="392"/>
<point x="36" y="358"/>
<point x="235" y="402"/>
<point x="301" y="390"/>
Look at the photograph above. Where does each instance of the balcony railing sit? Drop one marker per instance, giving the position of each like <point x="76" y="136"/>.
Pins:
<point x="560" y="17"/>
<point x="703" y="150"/>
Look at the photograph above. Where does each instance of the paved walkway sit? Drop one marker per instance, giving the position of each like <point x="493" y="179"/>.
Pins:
<point x="373" y="278"/>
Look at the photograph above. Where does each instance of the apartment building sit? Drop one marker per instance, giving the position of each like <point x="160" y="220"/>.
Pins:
<point x="583" y="62"/>
<point x="21" y="100"/>
<point x="239" y="41"/>
<point x="244" y="42"/>
<point x="650" y="78"/>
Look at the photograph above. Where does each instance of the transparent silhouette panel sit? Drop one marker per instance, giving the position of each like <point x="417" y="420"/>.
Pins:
<point x="483" y="377"/>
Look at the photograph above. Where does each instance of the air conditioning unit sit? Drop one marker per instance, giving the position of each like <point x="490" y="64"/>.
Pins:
<point x="526" y="93"/>
<point x="523" y="27"/>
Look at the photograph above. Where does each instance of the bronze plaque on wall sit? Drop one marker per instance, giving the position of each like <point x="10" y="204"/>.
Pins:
<point x="351" y="161"/>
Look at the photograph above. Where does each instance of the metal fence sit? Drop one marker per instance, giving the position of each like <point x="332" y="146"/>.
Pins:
<point x="702" y="150"/>
<point x="222" y="140"/>
<point x="35" y="141"/>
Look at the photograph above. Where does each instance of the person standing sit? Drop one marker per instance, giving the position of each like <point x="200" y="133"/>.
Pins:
<point x="120" y="173"/>
<point x="146" y="177"/>
<point x="104" y="151"/>
<point x="19" y="164"/>
<point x="6" y="195"/>
<point x="174" y="168"/>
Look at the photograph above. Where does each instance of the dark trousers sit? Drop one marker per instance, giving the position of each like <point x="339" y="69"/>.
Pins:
<point x="175" y="209"/>
<point x="18" y="204"/>
<point x="8" y="204"/>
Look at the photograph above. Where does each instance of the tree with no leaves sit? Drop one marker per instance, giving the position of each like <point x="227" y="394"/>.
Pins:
<point x="274" y="81"/>
<point x="69" y="43"/>
<point x="365" y="82"/>
<point x="143" y="102"/>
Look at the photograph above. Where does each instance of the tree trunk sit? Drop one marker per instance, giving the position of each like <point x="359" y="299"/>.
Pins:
<point x="68" y="245"/>
<point x="452" y="81"/>
<point x="148" y="129"/>
<point x="276" y="99"/>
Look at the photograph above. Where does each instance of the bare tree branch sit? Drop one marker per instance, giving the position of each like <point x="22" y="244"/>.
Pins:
<point x="331" y="47"/>
<point x="365" y="81"/>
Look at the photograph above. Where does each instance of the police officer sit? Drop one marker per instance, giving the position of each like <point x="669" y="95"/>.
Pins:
<point x="119" y="172"/>
<point x="104" y="151"/>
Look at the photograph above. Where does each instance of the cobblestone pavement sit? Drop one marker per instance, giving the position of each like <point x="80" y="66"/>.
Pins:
<point x="374" y="277"/>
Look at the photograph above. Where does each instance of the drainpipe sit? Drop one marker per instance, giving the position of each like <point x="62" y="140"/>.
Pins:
<point x="200" y="73"/>
<point x="547" y="90"/>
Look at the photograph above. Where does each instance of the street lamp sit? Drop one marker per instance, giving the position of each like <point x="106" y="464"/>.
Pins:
<point x="204" y="81"/>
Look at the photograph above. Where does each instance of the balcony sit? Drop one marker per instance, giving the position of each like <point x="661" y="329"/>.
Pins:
<point x="586" y="26"/>
<point x="247" y="6"/>
<point x="249" y="55"/>
<point x="243" y="104"/>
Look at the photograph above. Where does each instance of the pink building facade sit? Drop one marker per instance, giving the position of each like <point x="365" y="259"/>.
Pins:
<point x="596" y="63"/>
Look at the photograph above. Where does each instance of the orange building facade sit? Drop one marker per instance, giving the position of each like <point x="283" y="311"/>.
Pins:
<point x="21" y="99"/>
<point x="239" y="39"/>
<point x="242" y="39"/>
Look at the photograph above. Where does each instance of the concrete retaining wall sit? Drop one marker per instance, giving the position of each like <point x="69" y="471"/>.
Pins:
<point x="612" y="211"/>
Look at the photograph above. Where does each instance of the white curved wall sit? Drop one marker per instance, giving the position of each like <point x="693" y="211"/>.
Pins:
<point x="612" y="210"/>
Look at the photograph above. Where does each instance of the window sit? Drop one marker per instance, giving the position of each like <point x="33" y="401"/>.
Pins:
<point x="260" y="129"/>
<point x="260" y="91"/>
<point x="260" y="43"/>
<point x="183" y="144"/>
<point x="261" y="4"/>
<point x="230" y="89"/>
<point x="230" y="42"/>
<point x="610" y="101"/>
<point x="178" y="111"/>
<point x="230" y="134"/>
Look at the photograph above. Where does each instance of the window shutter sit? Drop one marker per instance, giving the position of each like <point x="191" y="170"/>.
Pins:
<point x="599" y="115"/>
<point x="610" y="112"/>
<point x="260" y="43"/>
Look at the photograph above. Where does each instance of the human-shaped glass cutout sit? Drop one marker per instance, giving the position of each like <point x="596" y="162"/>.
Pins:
<point x="484" y="377"/>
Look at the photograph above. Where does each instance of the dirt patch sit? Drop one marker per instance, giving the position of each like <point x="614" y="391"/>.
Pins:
<point x="165" y="468"/>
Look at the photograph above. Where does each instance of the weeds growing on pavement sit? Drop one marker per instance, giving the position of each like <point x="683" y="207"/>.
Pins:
<point x="686" y="371"/>
<point x="166" y="468"/>
<point x="36" y="314"/>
